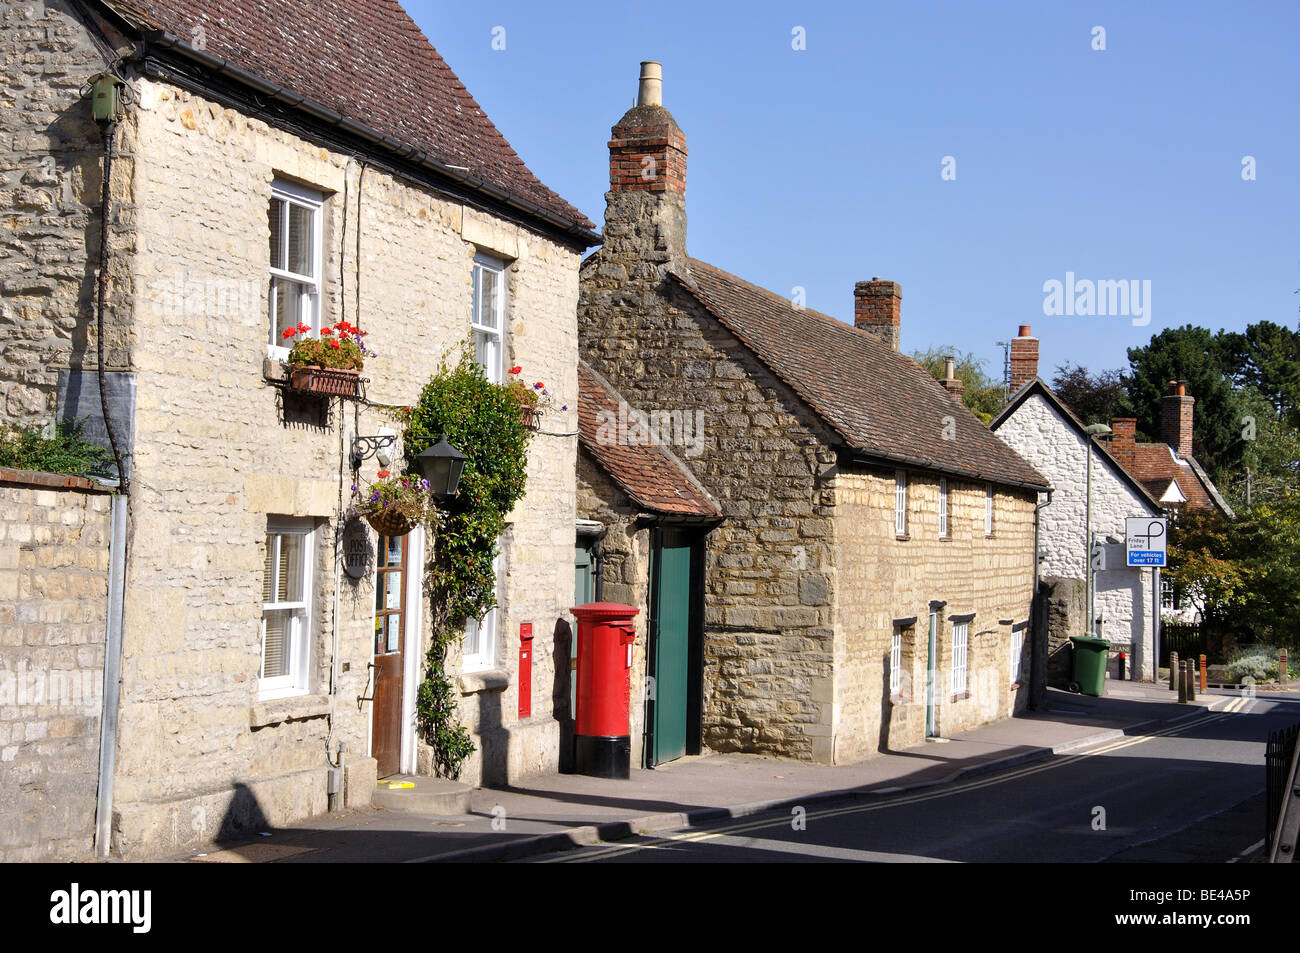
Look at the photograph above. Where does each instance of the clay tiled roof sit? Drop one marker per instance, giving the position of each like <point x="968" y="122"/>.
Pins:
<point x="882" y="403"/>
<point x="1155" y="465"/>
<point x="365" y="60"/>
<point x="651" y="475"/>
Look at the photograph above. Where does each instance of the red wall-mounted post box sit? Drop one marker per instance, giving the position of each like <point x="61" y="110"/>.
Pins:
<point x="602" y="729"/>
<point x="525" y="670"/>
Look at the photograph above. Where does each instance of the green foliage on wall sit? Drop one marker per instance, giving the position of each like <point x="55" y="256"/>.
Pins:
<point x="483" y="421"/>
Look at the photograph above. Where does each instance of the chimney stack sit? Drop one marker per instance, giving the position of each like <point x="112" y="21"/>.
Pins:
<point x="1123" y="443"/>
<point x="645" y="207"/>
<point x="878" y="310"/>
<point x="1176" y="418"/>
<point x="1024" y="358"/>
<point x="951" y="384"/>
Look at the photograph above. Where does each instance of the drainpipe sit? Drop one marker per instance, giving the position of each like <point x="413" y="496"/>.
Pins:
<point x="1035" y="650"/>
<point x="112" y="675"/>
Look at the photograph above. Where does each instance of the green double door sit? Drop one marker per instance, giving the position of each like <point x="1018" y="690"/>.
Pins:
<point x="672" y="703"/>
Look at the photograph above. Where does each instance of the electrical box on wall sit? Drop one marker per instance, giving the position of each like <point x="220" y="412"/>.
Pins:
<point x="106" y="96"/>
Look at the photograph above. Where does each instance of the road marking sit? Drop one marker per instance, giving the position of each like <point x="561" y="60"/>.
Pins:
<point x="1258" y="845"/>
<point x="947" y="791"/>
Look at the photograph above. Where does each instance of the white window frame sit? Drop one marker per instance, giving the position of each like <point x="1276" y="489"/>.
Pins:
<point x="988" y="509"/>
<point x="960" y="647"/>
<point x="299" y="641"/>
<point x="900" y="502"/>
<point x="943" y="507"/>
<point x="896" y="662"/>
<point x="485" y="632"/>
<point x="482" y="263"/>
<point x="1017" y="652"/>
<point x="314" y="202"/>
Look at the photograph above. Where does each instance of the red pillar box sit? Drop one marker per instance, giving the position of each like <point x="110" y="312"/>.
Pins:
<point x="603" y="739"/>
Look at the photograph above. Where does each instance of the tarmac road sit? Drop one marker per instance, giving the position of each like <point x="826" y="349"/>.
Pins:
<point x="1191" y="792"/>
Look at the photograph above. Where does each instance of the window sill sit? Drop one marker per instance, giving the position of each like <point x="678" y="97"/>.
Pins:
<point x="275" y="711"/>
<point x="898" y="699"/>
<point x="484" y="680"/>
<point x="960" y="696"/>
<point x="903" y="538"/>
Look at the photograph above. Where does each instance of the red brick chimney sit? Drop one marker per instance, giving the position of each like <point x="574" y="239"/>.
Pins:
<point x="878" y="310"/>
<point x="1123" y="445"/>
<point x="951" y="384"/>
<point x="1176" y="418"/>
<point x="645" y="207"/>
<point x="1024" y="358"/>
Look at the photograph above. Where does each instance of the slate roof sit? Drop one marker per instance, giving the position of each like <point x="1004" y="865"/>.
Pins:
<point x="651" y="475"/>
<point x="365" y="60"/>
<point x="1038" y="386"/>
<point x="882" y="403"/>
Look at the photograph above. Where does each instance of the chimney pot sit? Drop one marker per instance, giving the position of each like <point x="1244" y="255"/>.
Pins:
<point x="1024" y="358"/>
<point x="951" y="384"/>
<point x="651" y="91"/>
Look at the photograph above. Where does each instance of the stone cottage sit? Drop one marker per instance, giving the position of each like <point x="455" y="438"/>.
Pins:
<point x="1038" y="426"/>
<point x="871" y="581"/>
<point x="265" y="164"/>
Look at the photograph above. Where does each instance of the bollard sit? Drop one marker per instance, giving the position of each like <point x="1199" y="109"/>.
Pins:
<point x="1204" y="686"/>
<point x="1191" y="680"/>
<point x="1173" y="673"/>
<point x="1182" y="682"/>
<point x="1283" y="673"/>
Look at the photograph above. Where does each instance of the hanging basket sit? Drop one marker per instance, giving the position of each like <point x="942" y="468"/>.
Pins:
<point x="390" y="522"/>
<point x="531" y="416"/>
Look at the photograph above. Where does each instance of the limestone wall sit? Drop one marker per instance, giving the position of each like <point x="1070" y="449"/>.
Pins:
<point x="51" y="173"/>
<point x="769" y="570"/>
<point x="54" y="548"/>
<point x="220" y="450"/>
<point x="883" y="578"/>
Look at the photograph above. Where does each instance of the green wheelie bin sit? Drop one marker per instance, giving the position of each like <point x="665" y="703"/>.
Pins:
<point x="1090" y="655"/>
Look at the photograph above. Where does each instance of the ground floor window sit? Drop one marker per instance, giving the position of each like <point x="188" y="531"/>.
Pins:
<point x="1017" y="650"/>
<point x="481" y="634"/>
<point x="286" y="607"/>
<point x="960" y="640"/>
<point x="896" y="662"/>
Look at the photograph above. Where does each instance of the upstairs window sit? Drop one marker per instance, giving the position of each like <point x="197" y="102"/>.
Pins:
<point x="988" y="509"/>
<point x="487" y="318"/>
<point x="943" y="508"/>
<point x="900" y="503"/>
<point x="295" y="220"/>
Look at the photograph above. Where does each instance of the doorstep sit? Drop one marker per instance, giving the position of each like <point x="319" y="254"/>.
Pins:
<point x="409" y="792"/>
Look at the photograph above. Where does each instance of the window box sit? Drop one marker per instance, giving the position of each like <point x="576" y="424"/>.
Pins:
<point x="326" y="381"/>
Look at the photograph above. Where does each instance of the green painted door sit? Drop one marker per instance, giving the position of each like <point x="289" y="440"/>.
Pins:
<point x="672" y="649"/>
<point x="584" y="591"/>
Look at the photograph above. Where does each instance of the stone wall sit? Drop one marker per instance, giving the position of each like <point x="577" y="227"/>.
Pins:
<point x="54" y="548"/>
<point x="51" y="174"/>
<point x="883" y="578"/>
<point x="768" y="626"/>
<point x="1123" y="600"/>
<point x="220" y="450"/>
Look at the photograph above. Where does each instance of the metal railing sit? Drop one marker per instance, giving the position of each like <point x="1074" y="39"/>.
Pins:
<point x="1282" y="814"/>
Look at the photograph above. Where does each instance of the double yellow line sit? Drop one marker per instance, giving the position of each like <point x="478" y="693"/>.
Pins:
<point x="742" y="827"/>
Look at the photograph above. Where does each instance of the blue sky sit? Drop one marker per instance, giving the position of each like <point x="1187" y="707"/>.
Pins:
<point x="820" y="167"/>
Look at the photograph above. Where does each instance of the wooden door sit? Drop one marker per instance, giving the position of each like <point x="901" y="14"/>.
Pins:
<point x="672" y="649"/>
<point x="390" y="644"/>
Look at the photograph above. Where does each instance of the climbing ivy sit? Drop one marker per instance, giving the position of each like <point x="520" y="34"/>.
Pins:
<point x="483" y="421"/>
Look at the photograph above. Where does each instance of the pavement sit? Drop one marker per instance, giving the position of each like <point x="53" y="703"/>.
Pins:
<point x="559" y="812"/>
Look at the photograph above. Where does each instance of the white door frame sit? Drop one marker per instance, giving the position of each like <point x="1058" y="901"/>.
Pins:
<point x="413" y="647"/>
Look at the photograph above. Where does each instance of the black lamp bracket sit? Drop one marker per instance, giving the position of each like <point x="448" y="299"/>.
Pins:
<point x="363" y="448"/>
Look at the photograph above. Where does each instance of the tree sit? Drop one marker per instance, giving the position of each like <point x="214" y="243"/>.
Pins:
<point x="1094" y="399"/>
<point x="1245" y="572"/>
<point x="983" y="395"/>
<point x="1265" y="357"/>
<point x="1193" y="355"/>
